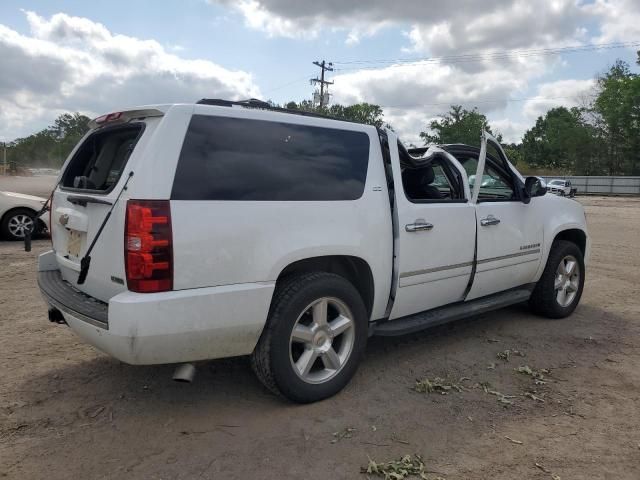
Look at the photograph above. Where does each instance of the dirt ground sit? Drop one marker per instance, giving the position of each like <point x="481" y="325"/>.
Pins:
<point x="68" y="411"/>
<point x="40" y="185"/>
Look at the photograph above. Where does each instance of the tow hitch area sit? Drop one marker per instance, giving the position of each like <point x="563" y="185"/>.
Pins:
<point x="56" y="316"/>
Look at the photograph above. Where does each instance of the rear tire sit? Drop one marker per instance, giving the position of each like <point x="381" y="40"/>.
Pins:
<point x="314" y="338"/>
<point x="559" y="289"/>
<point x="16" y="222"/>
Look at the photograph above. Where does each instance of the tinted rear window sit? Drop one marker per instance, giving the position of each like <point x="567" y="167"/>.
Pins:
<point x="98" y="163"/>
<point x="238" y="159"/>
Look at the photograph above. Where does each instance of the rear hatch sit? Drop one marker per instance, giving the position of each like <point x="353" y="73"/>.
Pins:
<point x="90" y="183"/>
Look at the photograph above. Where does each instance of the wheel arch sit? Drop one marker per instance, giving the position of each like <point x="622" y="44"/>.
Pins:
<point x="354" y="269"/>
<point x="571" y="231"/>
<point x="574" y="235"/>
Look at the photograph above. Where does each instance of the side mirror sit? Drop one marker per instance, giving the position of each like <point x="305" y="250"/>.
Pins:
<point x="534" y="187"/>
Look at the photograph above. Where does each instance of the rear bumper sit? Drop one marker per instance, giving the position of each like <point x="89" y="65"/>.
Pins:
<point x="61" y="295"/>
<point x="168" y="327"/>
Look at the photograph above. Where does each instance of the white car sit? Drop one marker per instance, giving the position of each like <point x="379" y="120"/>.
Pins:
<point x="561" y="187"/>
<point x="17" y="213"/>
<point x="197" y="231"/>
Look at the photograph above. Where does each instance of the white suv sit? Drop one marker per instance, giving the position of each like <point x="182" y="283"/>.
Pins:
<point x="191" y="232"/>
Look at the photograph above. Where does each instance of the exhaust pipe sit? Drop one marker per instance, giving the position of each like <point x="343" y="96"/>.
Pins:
<point x="56" y="316"/>
<point x="184" y="373"/>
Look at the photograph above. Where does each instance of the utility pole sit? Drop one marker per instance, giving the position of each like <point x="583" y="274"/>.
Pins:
<point x="4" y="171"/>
<point x="324" y="67"/>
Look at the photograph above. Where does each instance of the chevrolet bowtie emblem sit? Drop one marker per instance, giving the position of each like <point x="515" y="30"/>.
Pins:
<point x="64" y="219"/>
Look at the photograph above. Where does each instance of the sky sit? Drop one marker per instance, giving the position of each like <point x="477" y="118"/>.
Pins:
<point x="512" y="59"/>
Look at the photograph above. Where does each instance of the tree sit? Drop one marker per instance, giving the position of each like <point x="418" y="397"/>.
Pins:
<point x="49" y="147"/>
<point x="560" y="140"/>
<point x="617" y="118"/>
<point x="70" y="124"/>
<point x="514" y="152"/>
<point x="457" y="126"/>
<point x="359" y="112"/>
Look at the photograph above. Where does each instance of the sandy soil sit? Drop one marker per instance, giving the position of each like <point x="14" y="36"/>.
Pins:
<point x="68" y="411"/>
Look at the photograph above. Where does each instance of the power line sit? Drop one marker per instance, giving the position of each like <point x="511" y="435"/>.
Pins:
<point x="493" y="100"/>
<point x="475" y="57"/>
<point x="286" y="84"/>
<point x="402" y="62"/>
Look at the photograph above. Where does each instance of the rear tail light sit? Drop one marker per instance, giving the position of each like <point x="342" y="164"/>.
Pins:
<point x="148" y="248"/>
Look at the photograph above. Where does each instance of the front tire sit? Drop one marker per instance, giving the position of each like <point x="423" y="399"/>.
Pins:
<point x="17" y="222"/>
<point x="314" y="338"/>
<point x="559" y="289"/>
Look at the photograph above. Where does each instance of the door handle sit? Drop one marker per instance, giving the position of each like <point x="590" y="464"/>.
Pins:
<point x="418" y="227"/>
<point x="489" y="220"/>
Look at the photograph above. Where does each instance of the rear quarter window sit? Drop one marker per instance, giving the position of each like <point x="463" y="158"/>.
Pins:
<point x="238" y="159"/>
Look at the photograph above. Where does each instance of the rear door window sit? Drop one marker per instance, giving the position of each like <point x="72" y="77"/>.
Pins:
<point x="239" y="159"/>
<point x="98" y="163"/>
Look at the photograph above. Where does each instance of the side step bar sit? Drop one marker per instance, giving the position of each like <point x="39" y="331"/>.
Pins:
<point x="449" y="313"/>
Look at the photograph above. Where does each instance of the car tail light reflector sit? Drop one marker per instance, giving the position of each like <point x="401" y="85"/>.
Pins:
<point x="148" y="246"/>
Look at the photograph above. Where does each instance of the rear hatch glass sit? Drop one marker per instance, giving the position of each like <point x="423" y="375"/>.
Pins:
<point x="98" y="163"/>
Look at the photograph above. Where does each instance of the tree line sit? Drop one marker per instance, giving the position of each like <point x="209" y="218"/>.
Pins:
<point x="601" y="137"/>
<point x="50" y="146"/>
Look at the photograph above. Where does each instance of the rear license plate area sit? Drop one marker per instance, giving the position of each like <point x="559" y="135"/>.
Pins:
<point x="74" y="243"/>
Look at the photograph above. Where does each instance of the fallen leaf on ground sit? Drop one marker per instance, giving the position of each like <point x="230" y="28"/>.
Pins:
<point x="504" y="355"/>
<point x="436" y="385"/>
<point x="532" y="372"/>
<point x="407" y="466"/>
<point x="395" y="438"/>
<point x="346" y="433"/>
<point x="517" y="442"/>
<point x="96" y="412"/>
<point x="542" y="468"/>
<point x="502" y="398"/>
<point x="533" y="397"/>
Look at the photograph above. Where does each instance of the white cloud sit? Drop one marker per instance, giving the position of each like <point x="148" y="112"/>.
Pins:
<point x="259" y="18"/>
<point x="568" y="93"/>
<point x="71" y="63"/>
<point x="450" y="31"/>
<point x="511" y="131"/>
<point x="412" y="94"/>
<point x="437" y="27"/>
<point x="619" y="20"/>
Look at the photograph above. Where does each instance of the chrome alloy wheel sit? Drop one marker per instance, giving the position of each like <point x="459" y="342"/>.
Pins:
<point x="20" y="224"/>
<point x="322" y="340"/>
<point x="567" y="280"/>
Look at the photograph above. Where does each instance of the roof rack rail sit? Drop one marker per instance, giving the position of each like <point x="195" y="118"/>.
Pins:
<point x="261" y="104"/>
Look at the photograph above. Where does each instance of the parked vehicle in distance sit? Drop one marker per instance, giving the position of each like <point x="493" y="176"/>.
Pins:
<point x="197" y="231"/>
<point x="17" y="215"/>
<point x="562" y="188"/>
